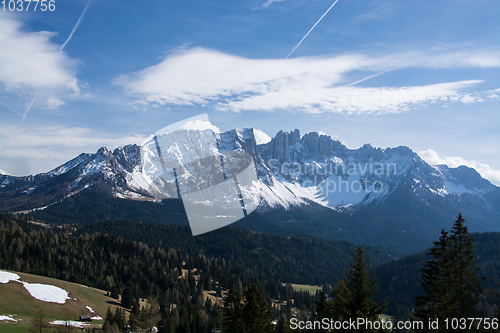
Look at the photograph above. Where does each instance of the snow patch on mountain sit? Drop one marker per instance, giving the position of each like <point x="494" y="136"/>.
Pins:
<point x="82" y="158"/>
<point x="283" y="194"/>
<point x="261" y="137"/>
<point x="450" y="187"/>
<point x="135" y="180"/>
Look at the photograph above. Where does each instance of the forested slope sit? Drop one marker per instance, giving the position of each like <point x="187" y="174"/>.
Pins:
<point x="297" y="259"/>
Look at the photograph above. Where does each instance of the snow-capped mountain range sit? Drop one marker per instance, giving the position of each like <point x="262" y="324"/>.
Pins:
<point x="389" y="189"/>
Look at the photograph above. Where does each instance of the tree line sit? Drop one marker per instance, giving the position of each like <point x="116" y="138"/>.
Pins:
<point x="173" y="283"/>
<point x="450" y="280"/>
<point x="134" y="270"/>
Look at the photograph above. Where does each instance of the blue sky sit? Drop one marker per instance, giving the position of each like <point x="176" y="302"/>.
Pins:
<point x="425" y="74"/>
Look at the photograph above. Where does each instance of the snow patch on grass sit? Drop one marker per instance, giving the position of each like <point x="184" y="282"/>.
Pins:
<point x="5" y="277"/>
<point x="47" y="293"/>
<point x="69" y="323"/>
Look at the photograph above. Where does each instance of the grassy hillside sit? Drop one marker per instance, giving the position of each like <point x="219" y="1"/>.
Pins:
<point x="16" y="300"/>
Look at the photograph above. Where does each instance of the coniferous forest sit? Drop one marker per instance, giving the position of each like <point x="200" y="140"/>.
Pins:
<point x="251" y="275"/>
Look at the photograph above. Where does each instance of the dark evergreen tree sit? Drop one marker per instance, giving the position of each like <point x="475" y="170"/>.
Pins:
<point x="436" y="284"/>
<point x="115" y="293"/>
<point x="450" y="279"/>
<point x="232" y="320"/>
<point x="283" y="325"/>
<point x="127" y="298"/>
<point x="353" y="297"/>
<point x="133" y="319"/>
<point x="341" y="301"/>
<point x="109" y="325"/>
<point x="256" y="314"/>
<point x="467" y="288"/>
<point x="322" y="308"/>
<point x="110" y="319"/>
<point x="119" y="318"/>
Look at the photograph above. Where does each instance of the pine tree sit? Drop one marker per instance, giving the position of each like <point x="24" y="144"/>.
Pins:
<point x="127" y="298"/>
<point x="246" y="314"/>
<point x="450" y="281"/>
<point x="353" y="297"/>
<point x="436" y="283"/>
<point x="283" y="325"/>
<point x="232" y="320"/>
<point x="119" y="318"/>
<point x="341" y="299"/>
<point x="256" y="314"/>
<point x="115" y="292"/>
<point x="134" y="314"/>
<point x="322" y="308"/>
<point x="466" y="283"/>
<point x="110" y="319"/>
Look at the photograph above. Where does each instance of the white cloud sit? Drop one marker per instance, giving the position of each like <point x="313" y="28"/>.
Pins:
<point x="200" y="75"/>
<point x="312" y="84"/>
<point x="31" y="61"/>
<point x="53" y="103"/>
<point x="487" y="172"/>
<point x="56" y="142"/>
<point x="481" y="58"/>
<point x="270" y="2"/>
<point x="352" y="100"/>
<point x="261" y="137"/>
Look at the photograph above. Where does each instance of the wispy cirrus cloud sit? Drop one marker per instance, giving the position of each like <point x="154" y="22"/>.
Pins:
<point x="353" y="100"/>
<point x="312" y="84"/>
<point x="270" y="2"/>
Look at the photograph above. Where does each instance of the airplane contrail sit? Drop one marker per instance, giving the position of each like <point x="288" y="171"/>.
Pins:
<point x="392" y="69"/>
<point x="371" y="76"/>
<point x="19" y="113"/>
<point x="29" y="106"/>
<point x="296" y="46"/>
<point x="76" y="26"/>
<point x="60" y="50"/>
